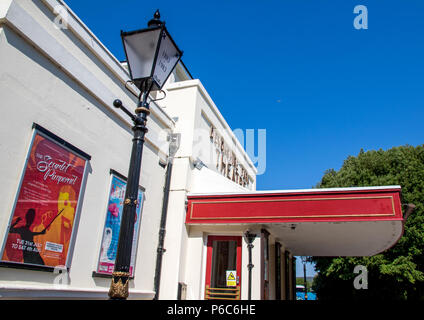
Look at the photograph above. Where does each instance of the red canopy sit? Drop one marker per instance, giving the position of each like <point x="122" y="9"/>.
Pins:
<point x="342" y="221"/>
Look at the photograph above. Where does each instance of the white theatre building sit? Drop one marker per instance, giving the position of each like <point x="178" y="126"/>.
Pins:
<point x="203" y="231"/>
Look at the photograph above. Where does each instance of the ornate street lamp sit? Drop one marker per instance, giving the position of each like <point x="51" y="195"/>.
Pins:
<point x="151" y="56"/>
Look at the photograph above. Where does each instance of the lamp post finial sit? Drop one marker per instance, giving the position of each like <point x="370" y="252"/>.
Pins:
<point x="156" y="20"/>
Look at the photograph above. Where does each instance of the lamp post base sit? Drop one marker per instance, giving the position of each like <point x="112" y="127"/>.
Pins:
<point x="119" y="286"/>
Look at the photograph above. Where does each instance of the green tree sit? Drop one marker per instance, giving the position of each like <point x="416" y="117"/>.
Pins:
<point x="397" y="273"/>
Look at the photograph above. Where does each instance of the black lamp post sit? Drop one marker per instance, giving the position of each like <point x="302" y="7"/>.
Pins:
<point x="151" y="56"/>
<point x="250" y="237"/>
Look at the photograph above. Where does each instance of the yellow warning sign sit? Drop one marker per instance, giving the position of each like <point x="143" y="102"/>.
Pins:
<point x="231" y="278"/>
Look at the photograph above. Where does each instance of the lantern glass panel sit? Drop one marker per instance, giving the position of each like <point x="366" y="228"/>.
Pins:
<point x="166" y="60"/>
<point x="141" y="49"/>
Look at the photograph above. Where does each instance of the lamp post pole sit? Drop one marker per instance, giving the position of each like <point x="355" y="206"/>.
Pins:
<point x="151" y="57"/>
<point x="250" y="237"/>
<point x="121" y="273"/>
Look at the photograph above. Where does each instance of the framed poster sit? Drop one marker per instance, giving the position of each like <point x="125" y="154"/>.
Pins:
<point x="112" y="226"/>
<point x="42" y="224"/>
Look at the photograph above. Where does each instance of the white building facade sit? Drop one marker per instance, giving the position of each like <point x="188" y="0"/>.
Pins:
<point x="58" y="226"/>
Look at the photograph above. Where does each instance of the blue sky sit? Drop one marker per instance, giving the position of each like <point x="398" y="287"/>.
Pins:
<point x="297" y="68"/>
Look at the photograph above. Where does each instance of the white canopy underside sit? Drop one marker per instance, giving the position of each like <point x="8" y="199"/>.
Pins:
<point x="337" y="238"/>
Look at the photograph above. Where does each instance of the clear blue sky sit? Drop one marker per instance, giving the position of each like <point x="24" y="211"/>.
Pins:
<point x="299" y="69"/>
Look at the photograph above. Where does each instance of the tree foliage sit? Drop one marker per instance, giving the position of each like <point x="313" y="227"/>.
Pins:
<point x="397" y="273"/>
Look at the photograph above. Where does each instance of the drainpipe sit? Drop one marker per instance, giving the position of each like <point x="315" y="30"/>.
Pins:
<point x="173" y="147"/>
<point x="250" y="238"/>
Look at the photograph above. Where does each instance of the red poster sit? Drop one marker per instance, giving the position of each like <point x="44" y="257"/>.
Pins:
<point x="42" y="222"/>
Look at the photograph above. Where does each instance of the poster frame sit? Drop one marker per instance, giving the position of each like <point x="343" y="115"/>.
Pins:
<point x="39" y="130"/>
<point x="97" y="273"/>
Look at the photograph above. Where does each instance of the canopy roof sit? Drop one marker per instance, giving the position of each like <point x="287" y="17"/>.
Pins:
<point x="319" y="222"/>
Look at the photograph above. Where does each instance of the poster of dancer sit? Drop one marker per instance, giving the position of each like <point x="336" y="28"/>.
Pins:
<point x="113" y="223"/>
<point x="42" y="222"/>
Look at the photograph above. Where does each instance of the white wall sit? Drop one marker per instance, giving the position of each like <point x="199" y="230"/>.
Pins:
<point x="51" y="77"/>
